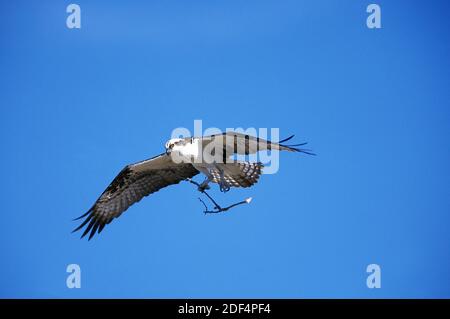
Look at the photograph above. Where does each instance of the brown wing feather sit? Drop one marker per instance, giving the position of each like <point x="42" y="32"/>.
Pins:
<point x="133" y="183"/>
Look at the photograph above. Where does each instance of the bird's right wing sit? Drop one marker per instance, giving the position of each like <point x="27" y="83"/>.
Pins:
<point x="239" y="143"/>
<point x="133" y="183"/>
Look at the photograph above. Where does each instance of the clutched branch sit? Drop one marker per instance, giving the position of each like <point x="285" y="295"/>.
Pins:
<point x="217" y="208"/>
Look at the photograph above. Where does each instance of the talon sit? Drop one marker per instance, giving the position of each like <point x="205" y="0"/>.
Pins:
<point x="224" y="187"/>
<point x="203" y="188"/>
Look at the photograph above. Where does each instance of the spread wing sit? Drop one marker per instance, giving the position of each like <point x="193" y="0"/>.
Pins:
<point x="133" y="183"/>
<point x="230" y="143"/>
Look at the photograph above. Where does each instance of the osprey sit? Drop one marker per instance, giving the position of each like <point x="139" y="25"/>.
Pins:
<point x="183" y="159"/>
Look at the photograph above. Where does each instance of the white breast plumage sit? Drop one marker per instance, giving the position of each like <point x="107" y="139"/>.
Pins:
<point x="191" y="151"/>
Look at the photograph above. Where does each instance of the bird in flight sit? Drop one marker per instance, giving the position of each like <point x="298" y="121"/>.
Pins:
<point x="183" y="159"/>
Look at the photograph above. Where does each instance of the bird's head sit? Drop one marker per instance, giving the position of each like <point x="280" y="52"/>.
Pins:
<point x="173" y="144"/>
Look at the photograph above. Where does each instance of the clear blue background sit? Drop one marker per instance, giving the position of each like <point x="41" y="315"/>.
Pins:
<point x="78" y="105"/>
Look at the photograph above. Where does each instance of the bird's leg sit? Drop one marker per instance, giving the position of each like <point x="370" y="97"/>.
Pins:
<point x="224" y="186"/>
<point x="204" y="185"/>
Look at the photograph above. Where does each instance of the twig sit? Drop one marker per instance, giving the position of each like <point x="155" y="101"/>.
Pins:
<point x="217" y="207"/>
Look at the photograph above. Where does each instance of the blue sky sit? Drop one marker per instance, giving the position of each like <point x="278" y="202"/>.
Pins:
<point x="78" y="105"/>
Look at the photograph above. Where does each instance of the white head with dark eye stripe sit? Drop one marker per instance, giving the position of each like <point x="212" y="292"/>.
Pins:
<point x="174" y="144"/>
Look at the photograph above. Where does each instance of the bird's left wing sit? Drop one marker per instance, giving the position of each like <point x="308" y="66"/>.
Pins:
<point x="133" y="183"/>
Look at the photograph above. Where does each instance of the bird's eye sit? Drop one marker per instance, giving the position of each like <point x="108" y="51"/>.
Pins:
<point x="171" y="146"/>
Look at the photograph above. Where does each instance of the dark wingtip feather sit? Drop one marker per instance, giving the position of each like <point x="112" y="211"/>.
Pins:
<point x="308" y="152"/>
<point x="84" y="215"/>
<point x="94" y="230"/>
<point x="93" y="221"/>
<point x="94" y="225"/>
<point x="83" y="223"/>
<point x="300" y="144"/>
<point x="293" y="147"/>
<point x="303" y="150"/>
<point x="286" y="139"/>
<point x="102" y="225"/>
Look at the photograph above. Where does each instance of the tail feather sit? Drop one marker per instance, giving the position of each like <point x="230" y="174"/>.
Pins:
<point x="239" y="174"/>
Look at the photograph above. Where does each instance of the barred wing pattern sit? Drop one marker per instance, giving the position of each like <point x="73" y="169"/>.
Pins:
<point x="133" y="183"/>
<point x="238" y="174"/>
